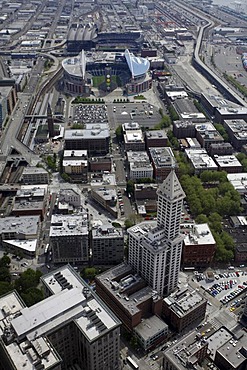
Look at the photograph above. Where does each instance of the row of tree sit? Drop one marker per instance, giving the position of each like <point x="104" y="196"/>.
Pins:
<point x="210" y="205"/>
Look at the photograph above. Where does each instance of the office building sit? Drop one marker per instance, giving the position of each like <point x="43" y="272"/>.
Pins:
<point x="20" y="234"/>
<point x="100" y="164"/>
<point x="187" y="353"/>
<point x="106" y="197"/>
<point x="220" y="149"/>
<point x="50" y="122"/>
<point x="163" y="160"/>
<point x="183" y="129"/>
<point x="34" y="175"/>
<point x="199" y="245"/>
<point x="150" y="332"/>
<point x="133" y="140"/>
<point x="237" y="132"/>
<point x="75" y="165"/>
<point x="70" y="196"/>
<point x="139" y="165"/>
<point x="200" y="160"/>
<point x="206" y="134"/>
<point x="30" y="200"/>
<point x="95" y="138"/>
<point x="228" y="163"/>
<point x="70" y="329"/>
<point x="156" y="139"/>
<point x="107" y="243"/>
<point x="128" y="295"/>
<point x="227" y="349"/>
<point x="184" y="308"/>
<point x="155" y="247"/>
<point x="69" y="238"/>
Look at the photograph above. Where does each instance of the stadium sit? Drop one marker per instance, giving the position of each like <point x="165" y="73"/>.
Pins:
<point x="105" y="71"/>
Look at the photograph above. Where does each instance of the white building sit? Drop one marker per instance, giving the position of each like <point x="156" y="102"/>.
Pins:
<point x="155" y="247"/>
<point x="139" y="165"/>
<point x="70" y="329"/>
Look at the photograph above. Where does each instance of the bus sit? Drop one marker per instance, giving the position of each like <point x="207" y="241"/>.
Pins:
<point x="189" y="269"/>
<point x="132" y="363"/>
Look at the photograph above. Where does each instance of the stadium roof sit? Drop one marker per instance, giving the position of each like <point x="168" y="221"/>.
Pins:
<point x="76" y="66"/>
<point x="138" y="66"/>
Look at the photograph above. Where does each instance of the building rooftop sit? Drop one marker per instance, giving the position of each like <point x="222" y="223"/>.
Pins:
<point x="107" y="179"/>
<point x="105" y="231"/>
<point x="133" y="136"/>
<point x="156" y="134"/>
<point x="151" y="326"/>
<point x="227" y="161"/>
<point x="27" y="225"/>
<point x="184" y="124"/>
<point x="119" y="279"/>
<point x="26" y="245"/>
<point x="130" y="126"/>
<point x="34" y="171"/>
<point x="238" y="181"/>
<point x="217" y="340"/>
<point x="92" y="131"/>
<point x="75" y="154"/>
<point x="137" y="157"/>
<point x="31" y="191"/>
<point x="106" y="193"/>
<point x="184" y="351"/>
<point x="163" y="157"/>
<point x="197" y="234"/>
<point x="226" y="111"/>
<point x="184" y="300"/>
<point x="65" y="225"/>
<point x="200" y="159"/>
<point x="71" y="301"/>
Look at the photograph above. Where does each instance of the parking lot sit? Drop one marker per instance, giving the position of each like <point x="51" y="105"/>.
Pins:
<point x="141" y="112"/>
<point x="226" y="286"/>
<point x="83" y="113"/>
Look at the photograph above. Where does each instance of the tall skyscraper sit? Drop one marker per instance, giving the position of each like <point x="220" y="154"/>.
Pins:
<point x="155" y="247"/>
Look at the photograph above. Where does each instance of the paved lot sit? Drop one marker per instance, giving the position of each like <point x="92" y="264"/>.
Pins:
<point x="227" y="285"/>
<point x="142" y="112"/>
<point x="83" y="113"/>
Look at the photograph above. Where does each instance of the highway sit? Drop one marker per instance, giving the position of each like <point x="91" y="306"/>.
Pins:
<point x="203" y="68"/>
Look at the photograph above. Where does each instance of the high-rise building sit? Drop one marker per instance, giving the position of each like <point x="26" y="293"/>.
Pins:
<point x="155" y="247"/>
<point x="70" y="329"/>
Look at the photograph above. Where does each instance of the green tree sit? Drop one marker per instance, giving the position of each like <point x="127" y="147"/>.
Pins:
<point x="128" y="223"/>
<point x="201" y="219"/>
<point x="5" y="287"/>
<point x="32" y="296"/>
<point x="119" y="133"/>
<point x="130" y="187"/>
<point x="173" y="114"/>
<point x="5" y="261"/>
<point x="220" y="128"/>
<point x="215" y="222"/>
<point x="89" y="273"/>
<point x="28" y="279"/>
<point x="5" y="274"/>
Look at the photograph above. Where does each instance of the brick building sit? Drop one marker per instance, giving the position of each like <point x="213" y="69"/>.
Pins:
<point x="198" y="246"/>
<point x="127" y="295"/>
